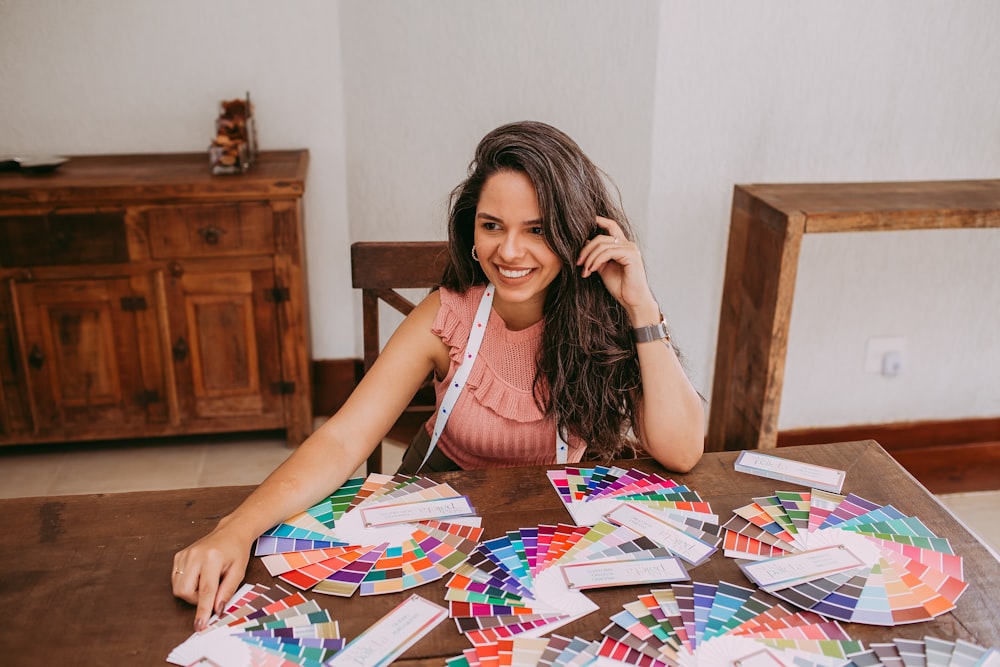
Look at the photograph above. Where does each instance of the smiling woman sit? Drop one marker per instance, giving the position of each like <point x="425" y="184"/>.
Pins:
<point x="545" y="341"/>
<point x="511" y="248"/>
<point x="535" y="219"/>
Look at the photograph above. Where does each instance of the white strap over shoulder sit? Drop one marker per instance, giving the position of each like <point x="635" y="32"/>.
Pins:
<point x="454" y="389"/>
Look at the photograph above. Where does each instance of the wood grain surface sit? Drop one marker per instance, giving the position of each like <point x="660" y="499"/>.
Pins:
<point x="85" y="580"/>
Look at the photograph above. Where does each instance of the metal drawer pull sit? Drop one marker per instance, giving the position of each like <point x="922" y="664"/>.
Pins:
<point x="211" y="234"/>
<point x="35" y="358"/>
<point x="180" y="350"/>
<point x="62" y="241"/>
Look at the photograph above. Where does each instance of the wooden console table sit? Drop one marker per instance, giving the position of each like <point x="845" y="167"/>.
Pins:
<point x="765" y="236"/>
<point x="142" y="296"/>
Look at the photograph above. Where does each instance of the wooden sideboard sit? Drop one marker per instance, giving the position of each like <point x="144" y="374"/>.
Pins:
<point x="765" y="235"/>
<point x="142" y="296"/>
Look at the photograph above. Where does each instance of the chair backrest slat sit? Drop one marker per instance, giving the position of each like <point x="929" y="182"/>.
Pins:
<point x="378" y="269"/>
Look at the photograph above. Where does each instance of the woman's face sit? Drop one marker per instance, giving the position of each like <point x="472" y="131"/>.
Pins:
<point x="511" y="244"/>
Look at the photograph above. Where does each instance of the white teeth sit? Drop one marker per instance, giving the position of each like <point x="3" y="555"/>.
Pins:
<point x="514" y="274"/>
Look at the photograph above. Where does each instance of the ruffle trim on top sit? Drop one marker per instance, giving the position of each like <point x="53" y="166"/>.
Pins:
<point x="496" y="395"/>
<point x="490" y="391"/>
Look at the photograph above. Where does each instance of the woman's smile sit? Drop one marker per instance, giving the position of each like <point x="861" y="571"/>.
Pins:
<point x="512" y="248"/>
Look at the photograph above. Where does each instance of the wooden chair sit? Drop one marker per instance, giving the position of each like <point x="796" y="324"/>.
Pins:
<point x="378" y="269"/>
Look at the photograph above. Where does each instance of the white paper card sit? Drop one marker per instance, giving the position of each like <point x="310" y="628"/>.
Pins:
<point x="786" y="470"/>
<point x="599" y="574"/>
<point x="425" y="510"/>
<point x="392" y="634"/>
<point x="691" y="549"/>
<point x="990" y="659"/>
<point x="776" y="573"/>
<point x="763" y="658"/>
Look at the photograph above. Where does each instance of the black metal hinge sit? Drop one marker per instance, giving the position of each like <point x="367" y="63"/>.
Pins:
<point x="277" y="295"/>
<point x="283" y="388"/>
<point x="131" y="304"/>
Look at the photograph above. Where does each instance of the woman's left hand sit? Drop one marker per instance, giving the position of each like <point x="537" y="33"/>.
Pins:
<point x="619" y="264"/>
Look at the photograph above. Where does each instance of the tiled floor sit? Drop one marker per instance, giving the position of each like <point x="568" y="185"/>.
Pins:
<point x="246" y="459"/>
<point x="168" y="463"/>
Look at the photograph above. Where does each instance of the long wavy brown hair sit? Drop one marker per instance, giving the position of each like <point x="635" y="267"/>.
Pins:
<point x="588" y="372"/>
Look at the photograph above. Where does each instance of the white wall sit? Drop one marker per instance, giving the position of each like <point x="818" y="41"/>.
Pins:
<point x="426" y="80"/>
<point x="677" y="101"/>
<point x="848" y="91"/>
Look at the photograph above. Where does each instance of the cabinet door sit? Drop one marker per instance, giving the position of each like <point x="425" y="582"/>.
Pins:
<point x="13" y="411"/>
<point x="91" y="353"/>
<point x="226" y="346"/>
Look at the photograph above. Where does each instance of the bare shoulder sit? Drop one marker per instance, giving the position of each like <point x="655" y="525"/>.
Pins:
<point x="417" y="338"/>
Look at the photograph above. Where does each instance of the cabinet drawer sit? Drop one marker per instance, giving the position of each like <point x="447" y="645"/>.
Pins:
<point x="63" y="238"/>
<point x="216" y="230"/>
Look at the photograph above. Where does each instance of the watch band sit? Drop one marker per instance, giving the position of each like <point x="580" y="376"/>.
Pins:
<point x="652" y="332"/>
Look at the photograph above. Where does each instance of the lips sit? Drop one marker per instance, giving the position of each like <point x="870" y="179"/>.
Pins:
<point x="510" y="273"/>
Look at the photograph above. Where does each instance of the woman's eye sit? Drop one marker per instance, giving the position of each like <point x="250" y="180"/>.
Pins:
<point x="537" y="231"/>
<point x="490" y="226"/>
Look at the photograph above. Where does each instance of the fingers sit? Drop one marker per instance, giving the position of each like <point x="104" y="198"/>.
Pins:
<point x="602" y="249"/>
<point x="230" y="582"/>
<point x="208" y="587"/>
<point x="609" y="226"/>
<point x="196" y="580"/>
<point x="182" y="582"/>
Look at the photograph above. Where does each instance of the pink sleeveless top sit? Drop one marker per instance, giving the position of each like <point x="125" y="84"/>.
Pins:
<point x="495" y="422"/>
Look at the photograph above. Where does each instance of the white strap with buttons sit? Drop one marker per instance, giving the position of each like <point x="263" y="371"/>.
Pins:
<point x="462" y="375"/>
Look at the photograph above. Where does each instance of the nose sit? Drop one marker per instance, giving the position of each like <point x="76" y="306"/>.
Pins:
<point x="511" y="246"/>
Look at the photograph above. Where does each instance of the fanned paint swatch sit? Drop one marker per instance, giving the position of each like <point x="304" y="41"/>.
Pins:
<point x="845" y="557"/>
<point x="264" y="626"/>
<point x="732" y="626"/>
<point x="927" y="652"/>
<point x="554" y="651"/>
<point x="671" y="515"/>
<point x="530" y="581"/>
<point x="707" y="625"/>
<point x="380" y="534"/>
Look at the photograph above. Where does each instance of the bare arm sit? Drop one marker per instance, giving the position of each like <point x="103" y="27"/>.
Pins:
<point x="671" y="415"/>
<point x="671" y="418"/>
<point x="208" y="572"/>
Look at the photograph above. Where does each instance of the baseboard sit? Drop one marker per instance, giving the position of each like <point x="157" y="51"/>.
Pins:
<point x="956" y="456"/>
<point x="900" y="435"/>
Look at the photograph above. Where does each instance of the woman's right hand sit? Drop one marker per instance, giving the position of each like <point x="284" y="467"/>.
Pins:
<point x="208" y="572"/>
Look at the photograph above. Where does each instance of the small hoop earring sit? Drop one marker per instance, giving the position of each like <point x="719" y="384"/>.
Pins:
<point x="474" y="255"/>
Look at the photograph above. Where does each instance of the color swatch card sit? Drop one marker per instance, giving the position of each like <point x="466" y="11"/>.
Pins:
<point x="392" y="634"/>
<point x="928" y="652"/>
<point x="845" y="557"/>
<point x="380" y="534"/>
<point x="672" y="516"/>
<point x="263" y="626"/>
<point x="590" y="493"/>
<point x="787" y="470"/>
<point x="752" y="633"/>
<point x="719" y="625"/>
<point x="529" y="582"/>
<point x="554" y="651"/>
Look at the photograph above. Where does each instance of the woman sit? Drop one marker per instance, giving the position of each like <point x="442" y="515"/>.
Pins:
<point x="545" y="319"/>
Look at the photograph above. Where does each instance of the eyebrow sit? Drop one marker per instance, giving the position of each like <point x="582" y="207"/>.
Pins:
<point x="493" y="218"/>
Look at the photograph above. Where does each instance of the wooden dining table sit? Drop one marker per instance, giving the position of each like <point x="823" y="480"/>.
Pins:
<point x="85" y="580"/>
